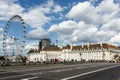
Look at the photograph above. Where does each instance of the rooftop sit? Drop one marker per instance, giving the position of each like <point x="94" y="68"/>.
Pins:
<point x="89" y="46"/>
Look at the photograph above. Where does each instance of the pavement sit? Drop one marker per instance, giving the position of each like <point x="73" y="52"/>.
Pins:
<point x="89" y="71"/>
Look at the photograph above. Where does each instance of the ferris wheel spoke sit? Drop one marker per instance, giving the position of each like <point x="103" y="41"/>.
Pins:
<point x="19" y="42"/>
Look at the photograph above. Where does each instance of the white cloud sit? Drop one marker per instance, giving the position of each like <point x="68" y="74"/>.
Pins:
<point x="86" y="12"/>
<point x="109" y="8"/>
<point x="86" y="28"/>
<point x="93" y="1"/>
<point x="1" y="35"/>
<point x="101" y="22"/>
<point x="66" y="27"/>
<point x="94" y="14"/>
<point x="58" y="8"/>
<point x="9" y="45"/>
<point x="74" y="31"/>
<point x="78" y="9"/>
<point x="33" y="45"/>
<point x="1" y="29"/>
<point x="9" y="8"/>
<point x="113" y="25"/>
<point x="38" y="34"/>
<point x="36" y="17"/>
<point x="115" y="39"/>
<point x="1" y="48"/>
<point x="82" y="31"/>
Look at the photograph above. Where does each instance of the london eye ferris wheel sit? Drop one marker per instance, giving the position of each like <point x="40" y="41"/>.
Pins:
<point x="14" y="41"/>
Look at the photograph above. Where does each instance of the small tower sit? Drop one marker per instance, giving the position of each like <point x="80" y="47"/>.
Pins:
<point x="44" y="43"/>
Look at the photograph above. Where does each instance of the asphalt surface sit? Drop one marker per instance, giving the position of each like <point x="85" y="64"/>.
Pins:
<point x="90" y="71"/>
<point x="109" y="74"/>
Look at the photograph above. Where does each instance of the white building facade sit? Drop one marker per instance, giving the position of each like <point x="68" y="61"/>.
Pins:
<point x="89" y="52"/>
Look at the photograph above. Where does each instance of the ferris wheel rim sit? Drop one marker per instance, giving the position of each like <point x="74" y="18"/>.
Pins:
<point x="19" y="18"/>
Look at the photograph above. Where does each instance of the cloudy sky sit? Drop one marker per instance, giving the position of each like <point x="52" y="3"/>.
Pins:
<point x="68" y="21"/>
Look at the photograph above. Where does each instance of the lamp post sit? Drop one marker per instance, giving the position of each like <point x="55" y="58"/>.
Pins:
<point x="80" y="56"/>
<point x="103" y="55"/>
<point x="13" y="52"/>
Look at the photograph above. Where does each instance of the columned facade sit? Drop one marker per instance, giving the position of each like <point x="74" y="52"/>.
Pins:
<point x="101" y="52"/>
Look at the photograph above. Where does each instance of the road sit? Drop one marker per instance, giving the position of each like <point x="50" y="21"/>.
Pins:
<point x="89" y="71"/>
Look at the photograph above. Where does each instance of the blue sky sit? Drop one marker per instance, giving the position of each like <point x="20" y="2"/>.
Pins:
<point x="69" y="21"/>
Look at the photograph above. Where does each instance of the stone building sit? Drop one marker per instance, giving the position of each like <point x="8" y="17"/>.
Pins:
<point x="103" y="51"/>
<point x="44" y="43"/>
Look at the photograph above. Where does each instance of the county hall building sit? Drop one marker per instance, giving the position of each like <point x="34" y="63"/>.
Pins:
<point x="89" y="52"/>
